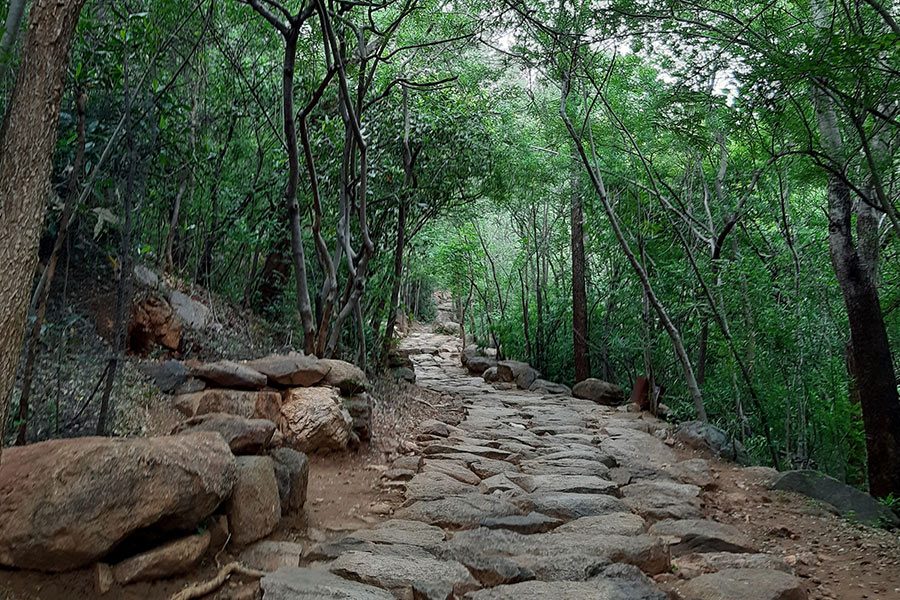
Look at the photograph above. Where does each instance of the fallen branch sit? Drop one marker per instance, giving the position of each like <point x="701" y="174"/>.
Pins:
<point x="199" y="590"/>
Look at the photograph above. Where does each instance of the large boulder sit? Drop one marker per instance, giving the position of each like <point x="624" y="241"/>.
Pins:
<point x="315" y="419"/>
<point x="244" y="436"/>
<point x="477" y="365"/>
<point x="229" y="374"/>
<point x="521" y="373"/>
<point x="289" y="370"/>
<point x="850" y="502"/>
<point x="153" y="322"/>
<point x="599" y="391"/>
<point x="165" y="561"/>
<point x="66" y="503"/>
<point x="242" y="403"/>
<point x="192" y="313"/>
<point x="700" y="435"/>
<point x="292" y="475"/>
<point x="349" y="378"/>
<point x="254" y="508"/>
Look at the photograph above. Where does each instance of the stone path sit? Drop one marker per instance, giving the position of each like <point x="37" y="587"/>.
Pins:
<point x="538" y="497"/>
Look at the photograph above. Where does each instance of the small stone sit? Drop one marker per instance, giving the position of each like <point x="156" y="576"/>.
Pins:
<point x="103" y="578"/>
<point x="270" y="556"/>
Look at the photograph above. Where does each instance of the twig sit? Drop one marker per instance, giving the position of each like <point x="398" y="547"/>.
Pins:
<point x="199" y="590"/>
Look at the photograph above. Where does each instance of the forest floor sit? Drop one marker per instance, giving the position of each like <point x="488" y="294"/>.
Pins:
<point x="834" y="558"/>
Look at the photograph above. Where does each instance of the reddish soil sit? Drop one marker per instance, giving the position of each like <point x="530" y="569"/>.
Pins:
<point x="838" y="559"/>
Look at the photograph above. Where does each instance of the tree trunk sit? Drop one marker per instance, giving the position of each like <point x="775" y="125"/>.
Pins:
<point x="297" y="252"/>
<point x="876" y="382"/>
<point x="579" y="294"/>
<point x="43" y="291"/>
<point x="27" y="143"/>
<point x="11" y="27"/>
<point x="395" y="285"/>
<point x="123" y="290"/>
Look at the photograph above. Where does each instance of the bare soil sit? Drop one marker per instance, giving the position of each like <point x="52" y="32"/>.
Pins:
<point x="838" y="559"/>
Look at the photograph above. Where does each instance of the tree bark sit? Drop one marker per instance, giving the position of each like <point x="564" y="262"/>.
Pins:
<point x="579" y="294"/>
<point x="855" y="266"/>
<point x="47" y="277"/>
<point x="27" y="143"/>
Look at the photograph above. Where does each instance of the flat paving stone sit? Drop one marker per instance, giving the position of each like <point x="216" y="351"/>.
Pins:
<point x="455" y="469"/>
<point x="588" y="590"/>
<point x="533" y="522"/>
<point x="701" y="535"/>
<point x="418" y="577"/>
<point x="458" y="512"/>
<point x="745" y="584"/>
<point x="432" y="484"/>
<point x="296" y="583"/>
<point x="576" y="484"/>
<point x="570" y="506"/>
<point x="617" y="523"/>
<point x="663" y="499"/>
<point x="483" y="451"/>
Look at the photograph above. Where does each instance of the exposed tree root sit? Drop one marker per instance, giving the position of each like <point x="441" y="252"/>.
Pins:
<point x="198" y="590"/>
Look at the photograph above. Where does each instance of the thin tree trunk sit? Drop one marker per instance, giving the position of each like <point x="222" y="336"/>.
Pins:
<point x="47" y="277"/>
<point x="579" y="294"/>
<point x="11" y="27"/>
<point x="123" y="291"/>
<point x="27" y="142"/>
<point x="671" y="329"/>
<point x="293" y="208"/>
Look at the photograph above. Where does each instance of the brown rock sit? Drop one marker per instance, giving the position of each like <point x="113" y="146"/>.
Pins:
<point x="242" y="403"/>
<point x="289" y="370"/>
<point x="599" y="391"/>
<point x="66" y="503"/>
<point x="229" y="374"/>
<point x="315" y="419"/>
<point x="244" y="436"/>
<point x="169" y="560"/>
<point x="153" y="322"/>
<point x="254" y="508"/>
<point x="350" y="379"/>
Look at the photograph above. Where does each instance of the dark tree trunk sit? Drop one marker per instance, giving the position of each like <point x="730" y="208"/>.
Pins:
<point x="396" y="279"/>
<point x="27" y="142"/>
<point x="876" y="382"/>
<point x="579" y="295"/>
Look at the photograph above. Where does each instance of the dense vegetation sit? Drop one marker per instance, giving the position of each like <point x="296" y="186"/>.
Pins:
<point x="704" y="193"/>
